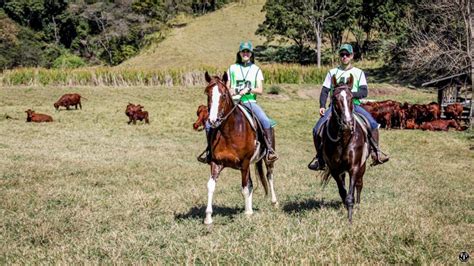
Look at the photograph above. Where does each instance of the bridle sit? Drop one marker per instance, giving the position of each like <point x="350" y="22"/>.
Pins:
<point x="220" y="115"/>
<point x="339" y="122"/>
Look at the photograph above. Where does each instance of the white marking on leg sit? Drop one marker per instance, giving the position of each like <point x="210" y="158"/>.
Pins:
<point x="216" y="95"/>
<point x="346" y="107"/>
<point x="248" y="193"/>
<point x="272" y="191"/>
<point x="211" y="186"/>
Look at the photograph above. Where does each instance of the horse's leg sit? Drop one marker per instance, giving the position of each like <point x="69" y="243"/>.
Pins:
<point x="211" y="186"/>
<point x="354" y="174"/>
<point x="269" y="166"/>
<point x="359" y="183"/>
<point x="340" y="180"/>
<point x="247" y="187"/>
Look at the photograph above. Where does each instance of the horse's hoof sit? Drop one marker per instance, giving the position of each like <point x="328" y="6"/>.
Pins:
<point x="208" y="220"/>
<point x="248" y="213"/>
<point x="276" y="204"/>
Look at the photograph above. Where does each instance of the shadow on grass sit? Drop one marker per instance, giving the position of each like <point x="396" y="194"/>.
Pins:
<point x="310" y="204"/>
<point x="200" y="212"/>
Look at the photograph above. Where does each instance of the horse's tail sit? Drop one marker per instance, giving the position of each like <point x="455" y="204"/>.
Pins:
<point x="261" y="175"/>
<point x="325" y="176"/>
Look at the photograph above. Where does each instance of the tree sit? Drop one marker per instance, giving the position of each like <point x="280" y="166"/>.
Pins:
<point x="284" y="21"/>
<point x="318" y="12"/>
<point x="438" y="43"/>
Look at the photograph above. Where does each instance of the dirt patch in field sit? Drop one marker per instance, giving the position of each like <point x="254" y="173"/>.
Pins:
<point x="309" y="94"/>
<point x="373" y="92"/>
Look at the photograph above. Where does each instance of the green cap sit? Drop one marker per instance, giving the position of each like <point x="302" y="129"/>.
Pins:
<point x="245" y="46"/>
<point x="346" y="47"/>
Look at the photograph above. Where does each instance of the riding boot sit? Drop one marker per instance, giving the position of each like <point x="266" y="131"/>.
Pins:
<point x="205" y="156"/>
<point x="270" y="142"/>
<point x="377" y="155"/>
<point x="318" y="162"/>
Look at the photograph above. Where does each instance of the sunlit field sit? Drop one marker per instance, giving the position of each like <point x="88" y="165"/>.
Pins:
<point x="89" y="188"/>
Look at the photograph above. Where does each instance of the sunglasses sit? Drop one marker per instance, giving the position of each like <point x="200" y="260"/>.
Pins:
<point x="344" y="54"/>
<point x="245" y="51"/>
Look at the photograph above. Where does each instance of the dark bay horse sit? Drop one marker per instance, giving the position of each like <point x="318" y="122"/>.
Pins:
<point x="233" y="144"/>
<point x="345" y="145"/>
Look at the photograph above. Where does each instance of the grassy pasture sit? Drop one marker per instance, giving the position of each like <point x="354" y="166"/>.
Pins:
<point x="89" y="188"/>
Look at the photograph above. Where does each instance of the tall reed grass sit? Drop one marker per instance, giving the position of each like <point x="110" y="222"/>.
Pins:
<point x="108" y="76"/>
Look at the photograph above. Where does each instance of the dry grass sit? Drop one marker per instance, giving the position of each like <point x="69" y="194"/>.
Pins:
<point x="211" y="40"/>
<point x="89" y="188"/>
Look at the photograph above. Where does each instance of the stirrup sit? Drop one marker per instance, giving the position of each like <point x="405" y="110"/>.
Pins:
<point x="314" y="165"/>
<point x="271" y="156"/>
<point x="203" y="157"/>
<point x="378" y="159"/>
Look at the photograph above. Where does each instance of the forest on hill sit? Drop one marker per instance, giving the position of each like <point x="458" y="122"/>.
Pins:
<point x="54" y="33"/>
<point x="417" y="40"/>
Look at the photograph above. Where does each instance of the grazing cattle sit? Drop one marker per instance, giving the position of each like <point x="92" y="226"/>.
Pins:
<point x="454" y="111"/>
<point x="31" y="116"/>
<point x="135" y="112"/>
<point x="410" y="124"/>
<point x="434" y="111"/>
<point x="440" y="125"/>
<point x="387" y="113"/>
<point x="70" y="99"/>
<point x="202" y="114"/>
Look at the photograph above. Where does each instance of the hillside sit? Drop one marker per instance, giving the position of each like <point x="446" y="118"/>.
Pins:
<point x="210" y="40"/>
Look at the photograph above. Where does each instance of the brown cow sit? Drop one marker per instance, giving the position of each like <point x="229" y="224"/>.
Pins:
<point x="434" y="110"/>
<point x="202" y="114"/>
<point x="439" y="125"/>
<point x="410" y="124"/>
<point x="70" y="99"/>
<point x="135" y="112"/>
<point x="453" y="111"/>
<point x="31" y="116"/>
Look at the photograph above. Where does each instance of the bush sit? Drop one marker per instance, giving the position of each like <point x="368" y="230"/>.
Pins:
<point x="274" y="89"/>
<point x="68" y="61"/>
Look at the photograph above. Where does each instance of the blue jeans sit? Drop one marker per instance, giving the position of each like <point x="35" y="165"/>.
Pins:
<point x="259" y="113"/>
<point x="357" y="108"/>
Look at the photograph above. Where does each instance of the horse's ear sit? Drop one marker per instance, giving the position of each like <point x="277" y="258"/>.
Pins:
<point x="333" y="81"/>
<point x="207" y="77"/>
<point x="225" y="77"/>
<point x="350" y="82"/>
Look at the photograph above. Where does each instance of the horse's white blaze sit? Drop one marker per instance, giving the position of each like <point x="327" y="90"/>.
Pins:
<point x="346" y="107"/>
<point x="216" y="95"/>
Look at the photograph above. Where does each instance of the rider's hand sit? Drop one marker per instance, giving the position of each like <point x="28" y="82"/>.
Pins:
<point x="322" y="110"/>
<point x="244" y="91"/>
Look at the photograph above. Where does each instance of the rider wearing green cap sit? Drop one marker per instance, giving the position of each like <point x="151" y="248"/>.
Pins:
<point x="246" y="80"/>
<point x="359" y="91"/>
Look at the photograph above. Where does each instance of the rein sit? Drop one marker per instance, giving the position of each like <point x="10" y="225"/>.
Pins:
<point x="221" y="120"/>
<point x="340" y="126"/>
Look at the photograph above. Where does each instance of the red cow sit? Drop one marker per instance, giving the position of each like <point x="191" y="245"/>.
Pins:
<point x="454" y="111"/>
<point x="410" y="124"/>
<point x="31" y="116"/>
<point x="434" y="110"/>
<point x="202" y="114"/>
<point x="70" y="99"/>
<point x="438" y="125"/>
<point x="135" y="112"/>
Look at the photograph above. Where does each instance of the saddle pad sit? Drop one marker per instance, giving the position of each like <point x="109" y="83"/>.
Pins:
<point x="248" y="116"/>
<point x="363" y="122"/>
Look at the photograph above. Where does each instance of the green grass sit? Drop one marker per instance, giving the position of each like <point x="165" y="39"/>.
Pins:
<point x="88" y="188"/>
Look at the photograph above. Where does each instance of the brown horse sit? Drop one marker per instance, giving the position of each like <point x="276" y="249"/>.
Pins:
<point x="233" y="144"/>
<point x="345" y="145"/>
